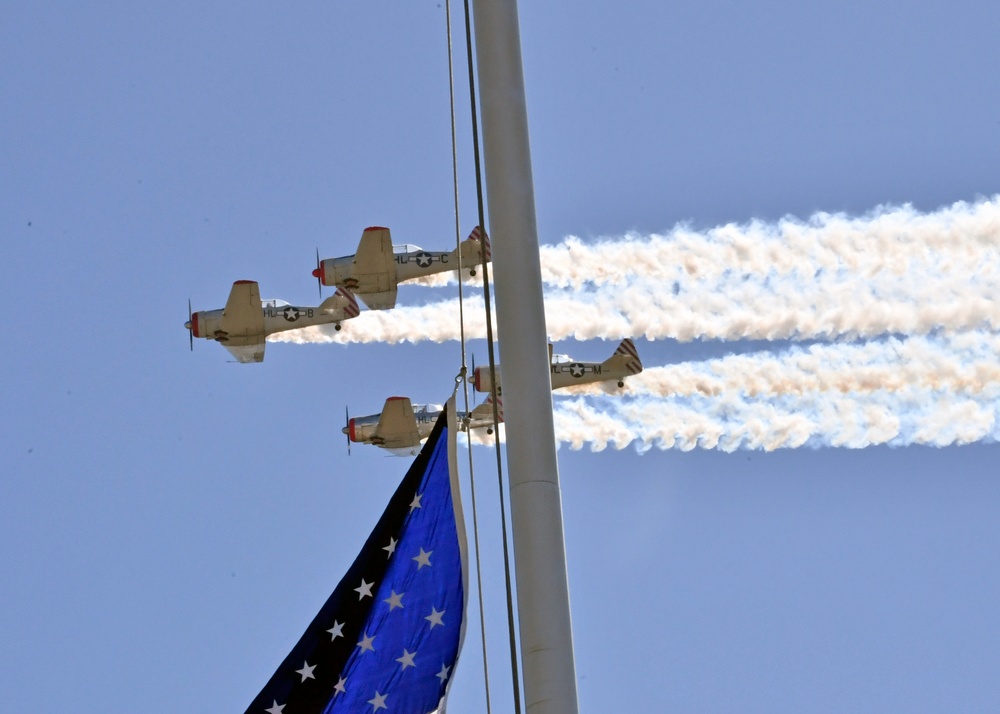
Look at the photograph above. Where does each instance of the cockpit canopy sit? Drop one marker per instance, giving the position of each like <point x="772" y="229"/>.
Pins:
<point x="427" y="408"/>
<point x="274" y="302"/>
<point x="406" y="248"/>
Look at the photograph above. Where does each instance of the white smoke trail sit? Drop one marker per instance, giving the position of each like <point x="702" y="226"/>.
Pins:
<point x="893" y="271"/>
<point x="437" y="322"/>
<point x="960" y="362"/>
<point x="893" y="239"/>
<point x="745" y="309"/>
<point x="947" y="391"/>
<point x="919" y="416"/>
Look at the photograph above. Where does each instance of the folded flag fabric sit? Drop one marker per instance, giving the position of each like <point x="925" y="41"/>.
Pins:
<point x="388" y="637"/>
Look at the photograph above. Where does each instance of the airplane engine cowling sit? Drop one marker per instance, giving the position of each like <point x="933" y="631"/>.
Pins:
<point x="482" y="379"/>
<point x="334" y="272"/>
<point x="206" y="323"/>
<point x="361" y="430"/>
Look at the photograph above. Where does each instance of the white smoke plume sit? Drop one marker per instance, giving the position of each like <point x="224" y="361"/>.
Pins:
<point x="937" y="391"/>
<point x="895" y="239"/>
<point x="923" y="288"/>
<point x="892" y="239"/>
<point x="832" y="277"/>
<point x="956" y="362"/>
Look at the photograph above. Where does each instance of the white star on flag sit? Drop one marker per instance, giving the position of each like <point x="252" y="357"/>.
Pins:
<point x="276" y="708"/>
<point x="378" y="701"/>
<point x="435" y="617"/>
<point x="407" y="659"/>
<point x="366" y="643"/>
<point x="365" y="590"/>
<point x="423" y="559"/>
<point x="443" y="674"/>
<point x="416" y="501"/>
<point x="336" y="631"/>
<point x="394" y="600"/>
<point x="340" y="687"/>
<point x="391" y="548"/>
<point x="306" y="671"/>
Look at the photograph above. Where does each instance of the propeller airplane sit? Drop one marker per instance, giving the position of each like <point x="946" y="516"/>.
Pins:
<point x="565" y="372"/>
<point x="246" y="320"/>
<point x="401" y="426"/>
<point x="375" y="271"/>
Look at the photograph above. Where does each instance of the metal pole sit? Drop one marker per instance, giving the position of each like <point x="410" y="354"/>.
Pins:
<point x="549" y="672"/>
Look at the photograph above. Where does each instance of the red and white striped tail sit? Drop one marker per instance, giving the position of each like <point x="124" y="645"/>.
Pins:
<point x="480" y="235"/>
<point x="627" y="349"/>
<point x="352" y="309"/>
<point x="489" y="400"/>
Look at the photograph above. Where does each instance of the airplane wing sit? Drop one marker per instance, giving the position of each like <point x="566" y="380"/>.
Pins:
<point x="242" y="316"/>
<point x="482" y="415"/>
<point x="246" y="349"/>
<point x="241" y="327"/>
<point x="397" y="427"/>
<point x="374" y="269"/>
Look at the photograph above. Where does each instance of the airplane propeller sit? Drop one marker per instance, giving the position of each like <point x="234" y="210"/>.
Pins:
<point x="190" y="326"/>
<point x="347" y="428"/>
<point x="319" y="277"/>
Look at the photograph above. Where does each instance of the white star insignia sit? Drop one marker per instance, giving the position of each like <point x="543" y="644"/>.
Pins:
<point x="423" y="260"/>
<point x="435" y="617"/>
<point x="365" y="590"/>
<point x="423" y="559"/>
<point x="366" y="643"/>
<point x="416" y="501"/>
<point x="306" y="671"/>
<point x="394" y="600"/>
<point x="336" y="631"/>
<point x="378" y="701"/>
<point x="391" y="548"/>
<point x="339" y="686"/>
<point x="443" y="674"/>
<point x="407" y="659"/>
<point x="275" y="708"/>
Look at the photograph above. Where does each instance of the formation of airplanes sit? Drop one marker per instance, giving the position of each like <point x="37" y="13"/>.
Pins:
<point x="373" y="275"/>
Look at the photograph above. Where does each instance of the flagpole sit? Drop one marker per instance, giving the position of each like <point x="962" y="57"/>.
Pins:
<point x="548" y="668"/>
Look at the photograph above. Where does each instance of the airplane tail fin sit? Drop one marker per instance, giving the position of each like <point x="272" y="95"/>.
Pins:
<point x="473" y="246"/>
<point x="485" y="410"/>
<point x="344" y="300"/>
<point x="625" y="357"/>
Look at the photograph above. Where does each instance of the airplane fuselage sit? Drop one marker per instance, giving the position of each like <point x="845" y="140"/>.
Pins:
<point x="567" y="373"/>
<point x="363" y="429"/>
<point x="209" y="323"/>
<point x="339" y="272"/>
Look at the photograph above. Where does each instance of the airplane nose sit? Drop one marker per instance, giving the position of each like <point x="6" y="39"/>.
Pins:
<point x="187" y="325"/>
<point x="317" y="273"/>
<point x="349" y="430"/>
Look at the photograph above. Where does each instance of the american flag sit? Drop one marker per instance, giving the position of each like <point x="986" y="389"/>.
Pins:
<point x="388" y="638"/>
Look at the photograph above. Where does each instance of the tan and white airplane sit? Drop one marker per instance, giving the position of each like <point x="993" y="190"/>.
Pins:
<point x="565" y="372"/>
<point x="400" y="427"/>
<point x="246" y="320"/>
<point x="375" y="271"/>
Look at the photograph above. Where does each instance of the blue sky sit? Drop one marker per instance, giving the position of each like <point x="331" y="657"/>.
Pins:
<point x="173" y="521"/>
